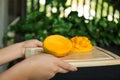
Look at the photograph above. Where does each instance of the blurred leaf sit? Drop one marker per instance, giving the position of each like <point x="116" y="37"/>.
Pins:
<point x="28" y="36"/>
<point x="42" y="34"/>
<point x="116" y="41"/>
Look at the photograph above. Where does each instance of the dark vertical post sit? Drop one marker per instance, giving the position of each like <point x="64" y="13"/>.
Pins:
<point x="113" y="13"/>
<point x="51" y="6"/>
<point x="38" y="5"/>
<point x="23" y="7"/>
<point x="119" y="14"/>
<point x="96" y="7"/>
<point x="45" y="8"/>
<point x="108" y="10"/>
<point x="32" y="5"/>
<point x="58" y="8"/>
<point x="101" y="9"/>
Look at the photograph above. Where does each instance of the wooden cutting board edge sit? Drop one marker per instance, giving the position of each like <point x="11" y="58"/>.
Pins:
<point x="89" y="63"/>
<point x="109" y="62"/>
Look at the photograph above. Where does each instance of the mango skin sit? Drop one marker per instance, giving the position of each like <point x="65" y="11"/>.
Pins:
<point x="57" y="45"/>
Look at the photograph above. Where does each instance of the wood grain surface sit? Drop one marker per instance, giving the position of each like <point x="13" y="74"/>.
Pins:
<point x="97" y="57"/>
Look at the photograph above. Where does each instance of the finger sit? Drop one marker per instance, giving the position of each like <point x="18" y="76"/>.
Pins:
<point x="58" y="69"/>
<point x="38" y="43"/>
<point x="61" y="70"/>
<point x="66" y="65"/>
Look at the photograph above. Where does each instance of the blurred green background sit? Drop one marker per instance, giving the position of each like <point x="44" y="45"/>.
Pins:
<point x="99" y="20"/>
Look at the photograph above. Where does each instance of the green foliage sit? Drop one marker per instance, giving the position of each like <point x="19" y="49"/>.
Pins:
<point x="38" y="26"/>
<point x="114" y="3"/>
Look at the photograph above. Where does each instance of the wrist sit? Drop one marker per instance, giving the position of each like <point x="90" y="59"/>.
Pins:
<point x="22" y="49"/>
<point x="19" y="47"/>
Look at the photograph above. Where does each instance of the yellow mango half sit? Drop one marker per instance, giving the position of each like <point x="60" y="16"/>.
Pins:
<point x="57" y="45"/>
<point x="81" y="44"/>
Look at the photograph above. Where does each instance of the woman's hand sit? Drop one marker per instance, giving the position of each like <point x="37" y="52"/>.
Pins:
<point x="38" y="67"/>
<point x="30" y="44"/>
<point x="17" y="50"/>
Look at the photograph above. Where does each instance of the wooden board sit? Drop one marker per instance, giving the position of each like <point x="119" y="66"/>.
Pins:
<point x="98" y="57"/>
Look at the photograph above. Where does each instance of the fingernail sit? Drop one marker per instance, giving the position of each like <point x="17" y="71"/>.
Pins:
<point x="73" y="68"/>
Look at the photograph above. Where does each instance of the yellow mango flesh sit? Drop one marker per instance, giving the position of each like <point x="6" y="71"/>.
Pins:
<point x="81" y="44"/>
